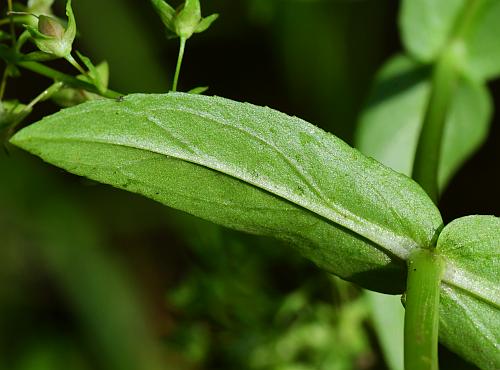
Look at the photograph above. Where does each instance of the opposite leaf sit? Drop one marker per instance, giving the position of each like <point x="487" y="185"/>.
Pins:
<point x="426" y="25"/>
<point x="471" y="247"/>
<point x="481" y="41"/>
<point x="252" y="169"/>
<point x="389" y="127"/>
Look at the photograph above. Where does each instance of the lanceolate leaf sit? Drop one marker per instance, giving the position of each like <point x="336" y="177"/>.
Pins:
<point x="252" y="169"/>
<point x="390" y="125"/>
<point x="470" y="322"/>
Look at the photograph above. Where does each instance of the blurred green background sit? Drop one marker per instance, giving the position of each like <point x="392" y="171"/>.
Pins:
<point x="96" y="278"/>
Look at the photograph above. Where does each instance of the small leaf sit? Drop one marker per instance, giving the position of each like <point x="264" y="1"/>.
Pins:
<point x="198" y="90"/>
<point x="470" y="294"/>
<point x="252" y="169"/>
<point x="166" y="13"/>
<point x="426" y="25"/>
<point x="205" y="23"/>
<point x="93" y="74"/>
<point x="390" y="124"/>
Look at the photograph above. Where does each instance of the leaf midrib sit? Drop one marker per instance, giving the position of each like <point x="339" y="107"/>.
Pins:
<point x="392" y="243"/>
<point x="454" y="276"/>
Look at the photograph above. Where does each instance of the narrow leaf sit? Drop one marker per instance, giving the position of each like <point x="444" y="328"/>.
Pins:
<point x="205" y="23"/>
<point x="390" y="124"/>
<point x="470" y="293"/>
<point x="252" y="169"/>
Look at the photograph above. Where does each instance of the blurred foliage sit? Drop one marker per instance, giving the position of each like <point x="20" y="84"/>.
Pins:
<point x="94" y="278"/>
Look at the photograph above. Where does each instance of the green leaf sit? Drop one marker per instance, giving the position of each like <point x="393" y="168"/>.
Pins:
<point x="426" y="25"/>
<point x="481" y="41"/>
<point x="388" y="321"/>
<point x="198" y="90"/>
<point x="390" y="124"/>
<point x="166" y="13"/>
<point x="252" y="169"/>
<point x="469" y="312"/>
<point x="205" y="23"/>
<point x="94" y="75"/>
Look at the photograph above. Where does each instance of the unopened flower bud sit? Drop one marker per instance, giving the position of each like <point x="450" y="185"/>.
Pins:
<point x="52" y="37"/>
<point x="50" y="27"/>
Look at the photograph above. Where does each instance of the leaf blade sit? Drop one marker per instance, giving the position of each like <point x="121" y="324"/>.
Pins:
<point x="352" y="198"/>
<point x="470" y="297"/>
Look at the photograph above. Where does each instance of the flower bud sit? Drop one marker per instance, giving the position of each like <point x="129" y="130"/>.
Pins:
<point x="186" y="21"/>
<point x="52" y="37"/>
<point x="50" y="26"/>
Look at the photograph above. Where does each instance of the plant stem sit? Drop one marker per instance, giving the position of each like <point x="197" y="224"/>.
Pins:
<point x="11" y="23"/>
<point x="75" y="64"/>
<point x="45" y="94"/>
<point x="427" y="156"/>
<point x="3" y="83"/>
<point x="425" y="269"/>
<point x="5" y="74"/>
<point x="67" y="79"/>
<point x="179" y="62"/>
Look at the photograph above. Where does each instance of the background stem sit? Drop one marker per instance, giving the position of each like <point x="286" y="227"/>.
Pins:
<point x="427" y="156"/>
<point x="179" y="63"/>
<point x="67" y="79"/>
<point x="422" y="310"/>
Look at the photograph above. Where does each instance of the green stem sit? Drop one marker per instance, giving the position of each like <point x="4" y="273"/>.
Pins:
<point x="179" y="62"/>
<point x="45" y="94"/>
<point x="427" y="156"/>
<point x="75" y="64"/>
<point x="3" y="83"/>
<point x="425" y="269"/>
<point x="5" y="75"/>
<point x="67" y="79"/>
<point x="11" y="23"/>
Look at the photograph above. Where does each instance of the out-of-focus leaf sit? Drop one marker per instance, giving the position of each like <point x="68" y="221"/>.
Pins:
<point x="389" y="127"/>
<point x="466" y="127"/>
<point x="249" y="168"/>
<point x="388" y="320"/>
<point x="426" y="25"/>
<point x="470" y="323"/>
<point x="481" y="41"/>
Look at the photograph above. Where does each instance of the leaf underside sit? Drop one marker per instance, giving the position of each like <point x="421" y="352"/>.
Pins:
<point x="471" y="244"/>
<point x="252" y="169"/>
